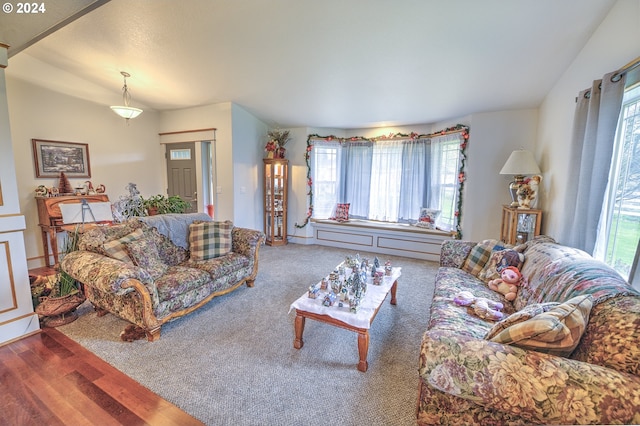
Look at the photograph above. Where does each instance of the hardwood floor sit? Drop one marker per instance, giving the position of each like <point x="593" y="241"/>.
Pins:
<point x="49" y="379"/>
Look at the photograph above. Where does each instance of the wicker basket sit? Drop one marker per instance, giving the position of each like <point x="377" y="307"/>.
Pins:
<point x="59" y="310"/>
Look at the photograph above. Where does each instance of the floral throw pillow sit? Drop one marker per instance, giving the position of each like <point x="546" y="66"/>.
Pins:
<point x="555" y="330"/>
<point x="341" y="212"/>
<point x="210" y="239"/>
<point x="144" y="254"/>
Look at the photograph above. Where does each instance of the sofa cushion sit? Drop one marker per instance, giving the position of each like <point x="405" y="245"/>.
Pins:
<point x="179" y="280"/>
<point x="144" y="253"/>
<point x="220" y="266"/>
<point x="500" y="259"/>
<point x="208" y="240"/>
<point x="554" y="329"/>
<point x="117" y="249"/>
<point x="446" y="316"/>
<point x="480" y="255"/>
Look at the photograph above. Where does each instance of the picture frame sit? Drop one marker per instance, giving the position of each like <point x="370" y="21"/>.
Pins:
<point x="52" y="157"/>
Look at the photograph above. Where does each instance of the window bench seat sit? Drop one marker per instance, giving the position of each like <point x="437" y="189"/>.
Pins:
<point x="385" y="238"/>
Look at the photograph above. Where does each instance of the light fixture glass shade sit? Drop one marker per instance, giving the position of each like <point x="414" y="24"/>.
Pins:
<point x="126" y="111"/>
<point x="520" y="162"/>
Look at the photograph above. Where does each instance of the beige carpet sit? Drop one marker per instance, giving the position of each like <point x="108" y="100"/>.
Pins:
<point x="232" y="362"/>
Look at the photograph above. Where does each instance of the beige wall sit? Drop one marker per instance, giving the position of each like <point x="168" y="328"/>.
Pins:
<point x="615" y="42"/>
<point x="119" y="154"/>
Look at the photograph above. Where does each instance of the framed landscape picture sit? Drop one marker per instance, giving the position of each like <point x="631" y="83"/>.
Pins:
<point x="52" y="157"/>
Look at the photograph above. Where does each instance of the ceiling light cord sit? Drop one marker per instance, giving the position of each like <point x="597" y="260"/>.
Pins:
<point x="127" y="112"/>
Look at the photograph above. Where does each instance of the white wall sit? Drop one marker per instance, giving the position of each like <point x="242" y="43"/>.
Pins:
<point x="492" y="138"/>
<point x="119" y="154"/>
<point x="16" y="310"/>
<point x="249" y="139"/>
<point x="615" y="42"/>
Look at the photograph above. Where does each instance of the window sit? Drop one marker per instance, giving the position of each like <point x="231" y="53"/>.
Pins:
<point x="389" y="180"/>
<point x="619" y="230"/>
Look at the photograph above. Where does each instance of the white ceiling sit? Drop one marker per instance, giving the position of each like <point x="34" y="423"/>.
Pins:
<point x="329" y="63"/>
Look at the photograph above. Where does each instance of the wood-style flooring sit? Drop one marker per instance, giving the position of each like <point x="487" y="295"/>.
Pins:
<point x="49" y="379"/>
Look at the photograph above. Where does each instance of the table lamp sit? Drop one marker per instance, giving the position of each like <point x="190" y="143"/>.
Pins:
<point x="519" y="164"/>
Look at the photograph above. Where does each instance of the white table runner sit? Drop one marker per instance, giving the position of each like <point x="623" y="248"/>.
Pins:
<point x="362" y="319"/>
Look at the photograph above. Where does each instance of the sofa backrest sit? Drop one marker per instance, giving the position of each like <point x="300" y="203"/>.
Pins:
<point x="557" y="273"/>
<point x="175" y="225"/>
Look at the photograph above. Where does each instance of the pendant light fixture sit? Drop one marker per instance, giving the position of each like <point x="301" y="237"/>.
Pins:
<point x="126" y="111"/>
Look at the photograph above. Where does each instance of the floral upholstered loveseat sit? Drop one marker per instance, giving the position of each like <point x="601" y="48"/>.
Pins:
<point x="467" y="379"/>
<point x="152" y="270"/>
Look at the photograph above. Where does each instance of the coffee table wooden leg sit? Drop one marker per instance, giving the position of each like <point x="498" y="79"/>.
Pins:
<point x="363" y="349"/>
<point x="299" y="329"/>
<point x="394" y="287"/>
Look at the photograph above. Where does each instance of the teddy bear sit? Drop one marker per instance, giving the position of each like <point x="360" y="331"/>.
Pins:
<point x="482" y="307"/>
<point x="507" y="284"/>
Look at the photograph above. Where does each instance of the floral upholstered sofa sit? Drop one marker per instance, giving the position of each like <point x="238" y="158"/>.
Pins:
<point x="152" y="270"/>
<point x="467" y="379"/>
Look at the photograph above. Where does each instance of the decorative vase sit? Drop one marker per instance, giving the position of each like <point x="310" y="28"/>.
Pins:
<point x="280" y="152"/>
<point x="269" y="154"/>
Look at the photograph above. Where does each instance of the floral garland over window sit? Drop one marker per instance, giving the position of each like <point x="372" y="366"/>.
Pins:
<point x="461" y="173"/>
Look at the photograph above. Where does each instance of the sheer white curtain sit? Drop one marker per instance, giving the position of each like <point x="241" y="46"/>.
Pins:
<point x="386" y="178"/>
<point x="356" y="172"/>
<point x="594" y="129"/>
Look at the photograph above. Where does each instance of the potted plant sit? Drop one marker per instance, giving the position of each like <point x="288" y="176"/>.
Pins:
<point x="65" y="293"/>
<point x="159" y="204"/>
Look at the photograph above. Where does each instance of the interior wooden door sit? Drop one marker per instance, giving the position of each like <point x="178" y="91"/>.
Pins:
<point x="181" y="172"/>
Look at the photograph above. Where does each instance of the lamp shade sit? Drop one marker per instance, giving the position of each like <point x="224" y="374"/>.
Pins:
<point x="520" y="162"/>
<point x="126" y="111"/>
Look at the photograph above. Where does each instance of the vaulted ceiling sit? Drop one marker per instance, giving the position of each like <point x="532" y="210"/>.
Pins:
<point x="329" y="63"/>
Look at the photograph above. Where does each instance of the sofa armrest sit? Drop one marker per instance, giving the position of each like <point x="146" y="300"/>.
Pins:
<point x="539" y="387"/>
<point x="245" y="241"/>
<point x="454" y="252"/>
<point x="105" y="273"/>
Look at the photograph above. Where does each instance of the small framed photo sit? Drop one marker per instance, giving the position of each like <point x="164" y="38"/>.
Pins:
<point x="52" y="157"/>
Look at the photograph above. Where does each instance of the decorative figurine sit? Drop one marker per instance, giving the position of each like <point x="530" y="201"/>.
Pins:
<point x="101" y="189"/>
<point x="329" y="299"/>
<point x="41" y="191"/>
<point x="313" y="291"/>
<point x="387" y="268"/>
<point x="377" y="278"/>
<point x="323" y="284"/>
<point x="376" y="262"/>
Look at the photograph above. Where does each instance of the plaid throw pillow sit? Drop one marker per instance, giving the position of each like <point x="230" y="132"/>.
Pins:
<point x="555" y="330"/>
<point x="209" y="239"/>
<point x="479" y="256"/>
<point x="116" y="248"/>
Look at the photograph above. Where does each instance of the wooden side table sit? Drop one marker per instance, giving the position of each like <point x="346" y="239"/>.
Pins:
<point x="519" y="225"/>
